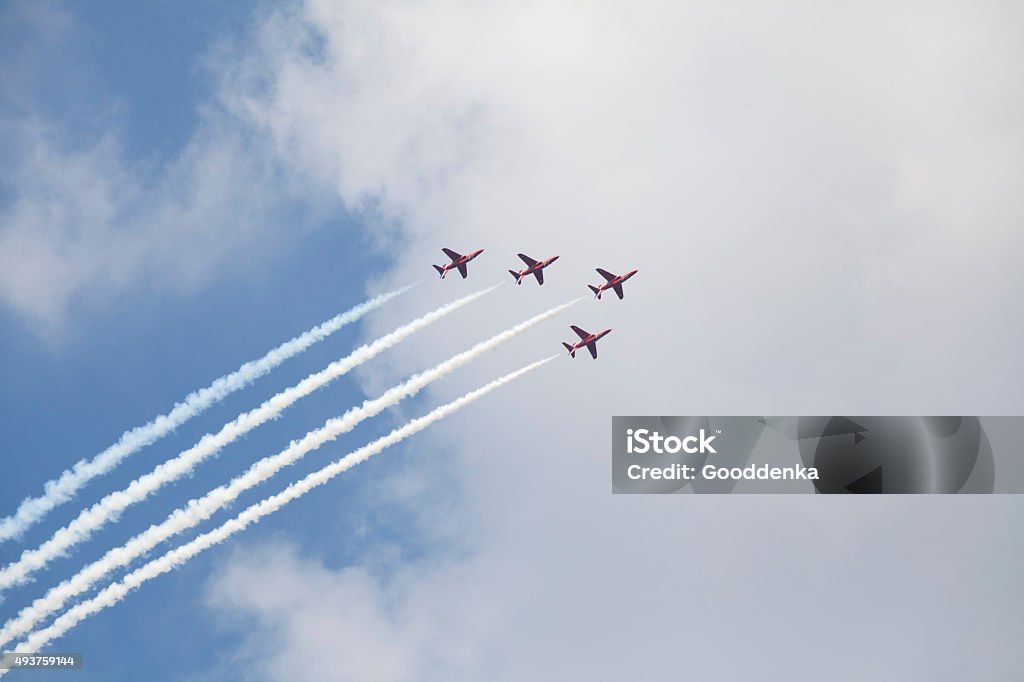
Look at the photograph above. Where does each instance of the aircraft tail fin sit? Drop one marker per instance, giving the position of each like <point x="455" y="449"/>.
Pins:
<point x="597" y="292"/>
<point x="515" y="276"/>
<point x="572" y="351"/>
<point x="440" y="270"/>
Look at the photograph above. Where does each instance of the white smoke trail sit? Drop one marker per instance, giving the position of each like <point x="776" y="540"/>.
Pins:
<point x="203" y="508"/>
<point x="62" y="489"/>
<point x="117" y="591"/>
<point x="110" y="507"/>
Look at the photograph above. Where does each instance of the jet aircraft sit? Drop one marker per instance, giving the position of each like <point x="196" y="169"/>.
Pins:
<point x="613" y="282"/>
<point x="533" y="267"/>
<point x="586" y="339"/>
<point x="458" y="261"/>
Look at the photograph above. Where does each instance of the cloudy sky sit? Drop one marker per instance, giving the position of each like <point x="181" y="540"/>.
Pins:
<point x="824" y="205"/>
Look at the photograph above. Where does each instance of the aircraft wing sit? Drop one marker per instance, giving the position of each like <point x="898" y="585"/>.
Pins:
<point x="540" y="276"/>
<point x="618" y="290"/>
<point x="607" y="275"/>
<point x="579" y="332"/>
<point x="526" y="259"/>
<point x="592" y="347"/>
<point x="454" y="255"/>
<point x="463" y="270"/>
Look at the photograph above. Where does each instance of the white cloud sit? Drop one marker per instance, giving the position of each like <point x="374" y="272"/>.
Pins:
<point x="823" y="204"/>
<point x="345" y="611"/>
<point x="82" y="222"/>
<point x="719" y="591"/>
<point x="769" y="172"/>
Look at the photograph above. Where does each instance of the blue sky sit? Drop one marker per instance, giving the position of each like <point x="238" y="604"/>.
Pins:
<point x="817" y="227"/>
<point x="117" y="366"/>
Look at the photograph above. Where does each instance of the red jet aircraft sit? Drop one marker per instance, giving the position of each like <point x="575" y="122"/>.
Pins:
<point x="533" y="267"/>
<point x="586" y="339"/>
<point x="458" y="261"/>
<point x="614" y="282"/>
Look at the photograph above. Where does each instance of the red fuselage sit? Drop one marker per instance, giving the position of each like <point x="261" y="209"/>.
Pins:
<point x="587" y="340"/>
<point x="536" y="267"/>
<point x="590" y="339"/>
<point x="611" y="282"/>
<point x="618" y="280"/>
<point x="458" y="262"/>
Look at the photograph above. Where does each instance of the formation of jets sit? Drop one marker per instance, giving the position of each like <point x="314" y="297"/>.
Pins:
<point x="536" y="268"/>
